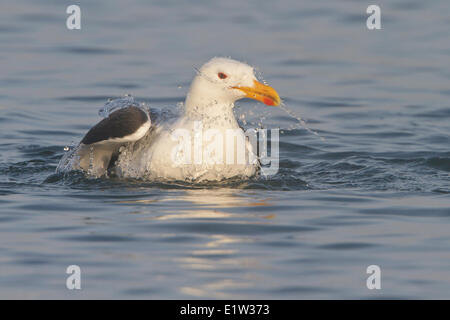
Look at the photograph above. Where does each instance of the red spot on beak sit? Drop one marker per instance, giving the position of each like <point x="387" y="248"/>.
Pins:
<point x="268" y="101"/>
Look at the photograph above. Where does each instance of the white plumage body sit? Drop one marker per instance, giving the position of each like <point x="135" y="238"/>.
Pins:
<point x="204" y="143"/>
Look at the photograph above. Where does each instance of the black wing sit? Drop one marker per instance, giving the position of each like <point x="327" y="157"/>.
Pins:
<point x="119" y="124"/>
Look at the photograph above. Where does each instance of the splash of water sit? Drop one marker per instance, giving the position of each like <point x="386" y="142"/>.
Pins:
<point x="115" y="104"/>
<point x="300" y="120"/>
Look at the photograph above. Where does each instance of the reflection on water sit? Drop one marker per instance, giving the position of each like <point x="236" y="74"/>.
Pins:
<point x="214" y="253"/>
<point x="206" y="203"/>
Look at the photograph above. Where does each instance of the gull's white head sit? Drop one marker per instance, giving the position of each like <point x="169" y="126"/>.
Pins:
<point x="222" y="81"/>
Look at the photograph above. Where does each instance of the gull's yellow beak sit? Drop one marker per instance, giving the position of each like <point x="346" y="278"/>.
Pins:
<point x="261" y="92"/>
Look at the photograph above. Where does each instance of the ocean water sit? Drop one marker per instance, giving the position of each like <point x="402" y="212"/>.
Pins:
<point x="374" y="191"/>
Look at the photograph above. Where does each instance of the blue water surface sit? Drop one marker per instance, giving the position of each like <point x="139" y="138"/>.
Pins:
<point x="375" y="191"/>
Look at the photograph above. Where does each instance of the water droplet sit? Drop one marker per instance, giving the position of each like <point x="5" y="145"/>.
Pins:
<point x="301" y="121"/>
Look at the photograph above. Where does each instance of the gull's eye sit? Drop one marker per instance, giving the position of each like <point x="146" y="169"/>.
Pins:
<point x="222" y="75"/>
